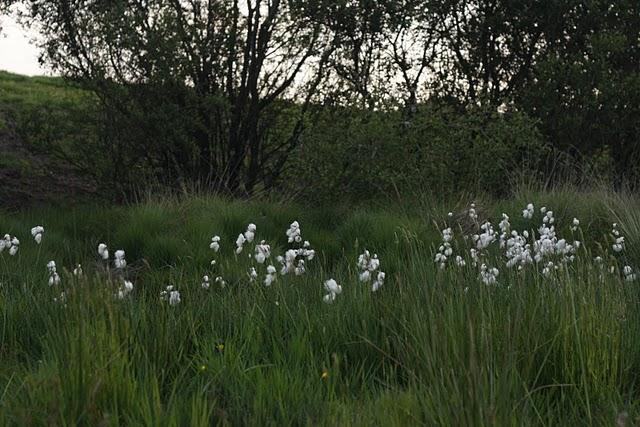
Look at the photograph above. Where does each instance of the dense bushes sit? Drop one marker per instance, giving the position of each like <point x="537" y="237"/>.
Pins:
<point x="439" y="151"/>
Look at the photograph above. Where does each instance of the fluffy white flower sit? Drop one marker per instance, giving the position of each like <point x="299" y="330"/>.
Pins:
<point x="37" y="233"/>
<point x="300" y="268"/>
<point x="205" y="282"/>
<point x="367" y="264"/>
<point x="293" y="233"/>
<point x="103" y="251"/>
<point x="119" y="261"/>
<point x="263" y="251"/>
<point x="215" y="243"/>
<point x="365" y="276"/>
<point x="14" y="245"/>
<point x="174" y="298"/>
<point x="378" y="282"/>
<point x="333" y="289"/>
<point x="488" y="275"/>
<point x="240" y="242"/>
<point x="472" y="212"/>
<point x="253" y="274"/>
<point x="332" y="286"/>
<point x="128" y="286"/>
<point x="77" y="271"/>
<point x="51" y="266"/>
<point x="54" y="279"/>
<point x="271" y="275"/>
<point x="250" y="233"/>
<point x="329" y="298"/>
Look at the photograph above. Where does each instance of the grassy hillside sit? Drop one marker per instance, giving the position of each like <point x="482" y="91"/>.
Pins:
<point x="42" y="121"/>
<point x="431" y="346"/>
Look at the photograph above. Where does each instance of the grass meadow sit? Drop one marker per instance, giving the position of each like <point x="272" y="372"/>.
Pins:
<point x="432" y="346"/>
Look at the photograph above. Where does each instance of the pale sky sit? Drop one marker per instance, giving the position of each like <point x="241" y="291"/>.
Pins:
<point x="17" y="54"/>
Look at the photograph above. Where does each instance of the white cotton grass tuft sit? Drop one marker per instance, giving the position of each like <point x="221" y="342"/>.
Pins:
<point x="77" y="271"/>
<point x="171" y="295"/>
<point x="271" y="275"/>
<point x="174" y="298"/>
<point x="473" y="214"/>
<point x="294" y="233"/>
<point x="263" y="252"/>
<point x="377" y="284"/>
<point x="54" y="277"/>
<point x="12" y="244"/>
<point x="367" y="264"/>
<point x="119" y="260"/>
<point x="37" y="233"/>
<point x="527" y="213"/>
<point x="575" y="224"/>
<point x="333" y="289"/>
<point x="240" y="241"/>
<point x="205" y="282"/>
<point x="445" y="250"/>
<point x="250" y="234"/>
<point x="5" y="242"/>
<point x="103" y="251"/>
<point x="220" y="281"/>
<point x="628" y="273"/>
<point x="489" y="276"/>
<point x="215" y="243"/>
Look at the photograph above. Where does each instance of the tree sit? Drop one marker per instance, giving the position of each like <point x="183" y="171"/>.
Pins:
<point x="490" y="46"/>
<point x="586" y="92"/>
<point x="191" y="81"/>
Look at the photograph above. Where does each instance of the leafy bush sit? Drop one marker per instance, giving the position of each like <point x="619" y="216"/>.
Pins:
<point x="352" y="156"/>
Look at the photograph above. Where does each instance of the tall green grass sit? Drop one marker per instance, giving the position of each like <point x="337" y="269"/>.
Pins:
<point x="431" y="347"/>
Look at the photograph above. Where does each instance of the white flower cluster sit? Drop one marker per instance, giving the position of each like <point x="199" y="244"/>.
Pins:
<point x="103" y="251"/>
<point x="271" y="275"/>
<point x="472" y="212"/>
<point x="205" y="282"/>
<point x="333" y="290"/>
<point x="367" y="266"/>
<point x="575" y="224"/>
<point x="548" y="218"/>
<point x="54" y="277"/>
<point x="518" y="251"/>
<point x="215" y="243"/>
<point x="618" y="240"/>
<point x="294" y="259"/>
<point x="489" y="276"/>
<point x="125" y="289"/>
<point x="245" y="237"/>
<point x="484" y="239"/>
<point x="37" y="233"/>
<point x="171" y="295"/>
<point x="520" y="248"/>
<point x="527" y="213"/>
<point x="253" y="274"/>
<point x="629" y="275"/>
<point x="119" y="261"/>
<point x="263" y="251"/>
<point x="12" y="244"/>
<point x="445" y="250"/>
<point x="294" y="233"/>
<point x="548" y="245"/>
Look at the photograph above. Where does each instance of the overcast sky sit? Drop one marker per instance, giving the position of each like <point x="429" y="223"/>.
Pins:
<point x="16" y="53"/>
